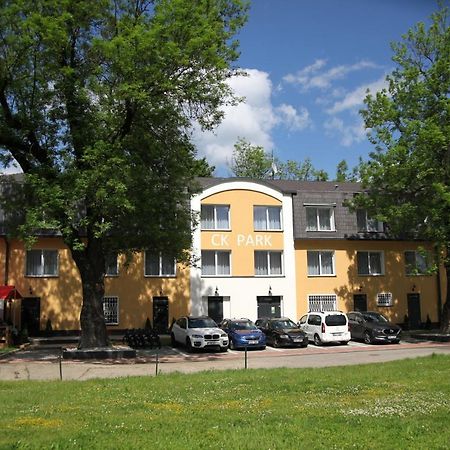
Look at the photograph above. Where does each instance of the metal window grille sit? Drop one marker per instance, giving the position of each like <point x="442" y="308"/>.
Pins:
<point x="384" y="299"/>
<point x="111" y="310"/>
<point x="322" y="302"/>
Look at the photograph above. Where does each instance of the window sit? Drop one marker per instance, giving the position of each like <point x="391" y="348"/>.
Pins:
<point x="384" y="299"/>
<point x="320" y="263"/>
<point x="215" y="217"/>
<point x="322" y="302"/>
<point x="112" y="266"/>
<point x="111" y="310"/>
<point x="215" y="263"/>
<point x="319" y="219"/>
<point x="365" y="223"/>
<point x="416" y="263"/>
<point x="159" y="265"/>
<point x="267" y="218"/>
<point x="42" y="263"/>
<point x="370" y="263"/>
<point x="268" y="263"/>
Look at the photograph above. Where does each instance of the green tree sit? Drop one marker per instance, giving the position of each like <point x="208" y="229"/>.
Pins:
<point x="250" y="161"/>
<point x="97" y="99"/>
<point x="408" y="174"/>
<point x="301" y="171"/>
<point x="342" y="171"/>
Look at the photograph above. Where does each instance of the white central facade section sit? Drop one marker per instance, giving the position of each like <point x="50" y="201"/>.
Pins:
<point x="245" y="248"/>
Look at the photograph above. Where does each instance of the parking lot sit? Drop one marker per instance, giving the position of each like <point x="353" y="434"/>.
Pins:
<point x="46" y="364"/>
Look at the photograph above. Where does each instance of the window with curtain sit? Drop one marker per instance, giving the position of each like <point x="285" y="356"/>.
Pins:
<point x="416" y="263"/>
<point x="266" y="218"/>
<point x="366" y="224"/>
<point x="216" y="263"/>
<point x="215" y="217"/>
<point x="370" y="263"/>
<point x="157" y="265"/>
<point x="319" y="219"/>
<point x="320" y="263"/>
<point x="268" y="263"/>
<point x="42" y="263"/>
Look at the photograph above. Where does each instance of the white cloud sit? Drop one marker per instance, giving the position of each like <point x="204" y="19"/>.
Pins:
<point x="293" y="119"/>
<point x="356" y="97"/>
<point x="312" y="76"/>
<point x="253" y="119"/>
<point x="348" y="134"/>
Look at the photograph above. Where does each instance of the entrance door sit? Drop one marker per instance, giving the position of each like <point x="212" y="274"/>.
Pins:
<point x="269" y="306"/>
<point x="215" y="308"/>
<point x="160" y="314"/>
<point x="360" y="302"/>
<point x="30" y="315"/>
<point x="414" y="311"/>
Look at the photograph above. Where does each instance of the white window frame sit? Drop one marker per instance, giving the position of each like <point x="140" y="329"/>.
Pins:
<point x="370" y="274"/>
<point x="268" y="258"/>
<point x="317" y="208"/>
<point x="215" y="274"/>
<point x="320" y="274"/>
<point x="385" y="299"/>
<point x="368" y="228"/>
<point x="116" y="273"/>
<point x="215" y="226"/>
<point x="160" y="274"/>
<point x="113" y="299"/>
<point x="42" y="263"/>
<point x="267" y="227"/>
<point x="322" y="302"/>
<point x="416" y="270"/>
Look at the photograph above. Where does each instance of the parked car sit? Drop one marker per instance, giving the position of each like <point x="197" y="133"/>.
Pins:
<point x="325" y="326"/>
<point x="198" y="332"/>
<point x="243" y="333"/>
<point x="371" y="327"/>
<point x="282" y="332"/>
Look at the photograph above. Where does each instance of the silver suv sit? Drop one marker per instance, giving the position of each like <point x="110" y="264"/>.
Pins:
<point x="325" y="326"/>
<point x="198" y="332"/>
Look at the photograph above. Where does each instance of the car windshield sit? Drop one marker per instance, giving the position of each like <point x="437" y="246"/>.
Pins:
<point x="374" y="317"/>
<point x="244" y="325"/>
<point x="283" y="324"/>
<point x="204" y="322"/>
<point x="335" y="320"/>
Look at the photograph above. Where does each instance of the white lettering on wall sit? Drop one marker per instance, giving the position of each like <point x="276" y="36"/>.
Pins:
<point x="242" y="240"/>
<point x="220" y="240"/>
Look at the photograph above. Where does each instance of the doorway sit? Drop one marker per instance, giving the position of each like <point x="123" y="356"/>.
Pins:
<point x="160" y="314"/>
<point x="269" y="306"/>
<point x="414" y="314"/>
<point x="30" y="315"/>
<point x="215" y="308"/>
<point x="360" y="302"/>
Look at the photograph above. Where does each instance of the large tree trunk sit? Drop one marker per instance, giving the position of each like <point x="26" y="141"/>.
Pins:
<point x="445" y="319"/>
<point x="91" y="263"/>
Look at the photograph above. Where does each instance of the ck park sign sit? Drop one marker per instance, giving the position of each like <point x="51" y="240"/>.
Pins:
<point x="241" y="240"/>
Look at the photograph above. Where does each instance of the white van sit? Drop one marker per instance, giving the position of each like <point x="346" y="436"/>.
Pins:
<point x="325" y="326"/>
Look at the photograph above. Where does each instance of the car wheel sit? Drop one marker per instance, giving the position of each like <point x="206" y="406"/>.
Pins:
<point x="367" y="338"/>
<point x="304" y="345"/>
<point x="276" y="343"/>
<point x="317" y="340"/>
<point x="262" y="348"/>
<point x="173" y="342"/>
<point x="189" y="347"/>
<point x="231" y="345"/>
<point x="344" y="342"/>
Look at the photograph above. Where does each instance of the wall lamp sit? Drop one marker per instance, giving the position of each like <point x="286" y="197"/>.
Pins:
<point x="216" y="292"/>
<point x="270" y="291"/>
<point x="413" y="288"/>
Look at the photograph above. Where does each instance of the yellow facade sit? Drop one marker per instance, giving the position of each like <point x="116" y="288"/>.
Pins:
<point x="346" y="282"/>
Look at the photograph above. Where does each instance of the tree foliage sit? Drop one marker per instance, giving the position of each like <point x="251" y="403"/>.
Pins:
<point x="97" y="99"/>
<point x="408" y="174"/>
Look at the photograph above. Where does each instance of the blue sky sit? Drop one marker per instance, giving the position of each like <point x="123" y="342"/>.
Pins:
<point x="309" y="64"/>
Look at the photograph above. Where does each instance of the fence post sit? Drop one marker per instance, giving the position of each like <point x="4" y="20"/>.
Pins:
<point x="245" y="357"/>
<point x="60" y="364"/>
<point x="156" y="362"/>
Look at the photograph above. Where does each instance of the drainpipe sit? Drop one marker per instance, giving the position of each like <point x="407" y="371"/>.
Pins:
<point x="439" y="291"/>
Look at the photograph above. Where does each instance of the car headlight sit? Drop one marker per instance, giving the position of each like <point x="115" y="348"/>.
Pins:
<point x="284" y="336"/>
<point x="223" y="335"/>
<point x="197" y="336"/>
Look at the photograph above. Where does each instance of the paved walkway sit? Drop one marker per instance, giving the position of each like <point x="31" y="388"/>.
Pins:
<point x="46" y="364"/>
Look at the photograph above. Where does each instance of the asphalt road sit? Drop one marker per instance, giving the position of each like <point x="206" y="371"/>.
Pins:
<point x="46" y="365"/>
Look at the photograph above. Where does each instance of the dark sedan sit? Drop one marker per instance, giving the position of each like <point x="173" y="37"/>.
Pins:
<point x="373" y="327"/>
<point x="282" y="332"/>
<point x="243" y="333"/>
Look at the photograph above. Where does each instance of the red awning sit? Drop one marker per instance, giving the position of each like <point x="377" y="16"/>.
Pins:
<point x="9" y="293"/>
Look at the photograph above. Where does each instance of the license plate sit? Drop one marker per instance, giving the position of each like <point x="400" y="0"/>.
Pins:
<point x="298" y="340"/>
<point x="392" y="337"/>
<point x="213" y="343"/>
<point x="252" y="342"/>
<point x="336" y="334"/>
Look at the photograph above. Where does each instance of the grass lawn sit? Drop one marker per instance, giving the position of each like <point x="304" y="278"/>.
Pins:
<point x="404" y="404"/>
